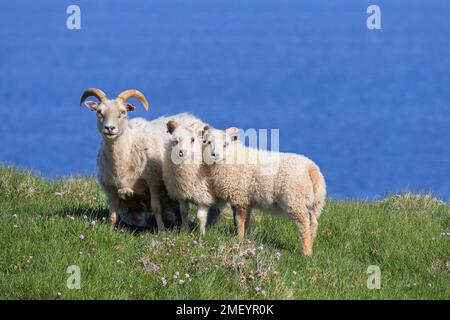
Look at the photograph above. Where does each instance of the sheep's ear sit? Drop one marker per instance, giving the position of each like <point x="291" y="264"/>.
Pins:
<point x="172" y="125"/>
<point x="92" y="105"/>
<point x="130" y="106"/>
<point x="233" y="133"/>
<point x="197" y="128"/>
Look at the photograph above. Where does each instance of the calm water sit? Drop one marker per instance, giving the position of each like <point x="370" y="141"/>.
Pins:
<point x="372" y="108"/>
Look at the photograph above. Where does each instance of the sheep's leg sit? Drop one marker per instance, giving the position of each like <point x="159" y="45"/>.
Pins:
<point x="113" y="219"/>
<point x="304" y="228"/>
<point x="113" y="216"/>
<point x="241" y="217"/>
<point x="184" y="213"/>
<point x="125" y="193"/>
<point x="202" y="216"/>
<point x="156" y="206"/>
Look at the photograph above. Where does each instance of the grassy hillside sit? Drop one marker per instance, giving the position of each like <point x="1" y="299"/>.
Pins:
<point x="47" y="226"/>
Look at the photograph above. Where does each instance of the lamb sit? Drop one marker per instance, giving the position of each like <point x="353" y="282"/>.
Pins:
<point x="275" y="182"/>
<point x="185" y="175"/>
<point x="130" y="159"/>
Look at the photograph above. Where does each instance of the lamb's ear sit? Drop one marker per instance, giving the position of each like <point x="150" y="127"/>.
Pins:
<point x="233" y="133"/>
<point x="92" y="105"/>
<point x="130" y="106"/>
<point x="172" y="125"/>
<point x="205" y="129"/>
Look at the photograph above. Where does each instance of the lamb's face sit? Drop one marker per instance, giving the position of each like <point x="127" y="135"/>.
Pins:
<point x="111" y="117"/>
<point x="217" y="144"/>
<point x="185" y="142"/>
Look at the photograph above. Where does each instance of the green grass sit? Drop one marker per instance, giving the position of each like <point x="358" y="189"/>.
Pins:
<point x="403" y="235"/>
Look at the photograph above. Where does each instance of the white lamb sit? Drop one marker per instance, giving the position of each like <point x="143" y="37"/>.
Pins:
<point x="130" y="159"/>
<point x="275" y="182"/>
<point x="184" y="173"/>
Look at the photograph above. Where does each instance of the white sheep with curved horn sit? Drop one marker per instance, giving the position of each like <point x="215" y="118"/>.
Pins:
<point x="130" y="158"/>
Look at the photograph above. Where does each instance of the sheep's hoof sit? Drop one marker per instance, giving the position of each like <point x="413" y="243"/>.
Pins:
<point x="125" y="193"/>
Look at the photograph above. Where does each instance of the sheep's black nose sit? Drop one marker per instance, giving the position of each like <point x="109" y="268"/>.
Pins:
<point x="110" y="128"/>
<point x="213" y="154"/>
<point x="181" y="153"/>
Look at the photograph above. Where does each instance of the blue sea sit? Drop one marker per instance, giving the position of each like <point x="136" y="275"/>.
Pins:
<point x="371" y="107"/>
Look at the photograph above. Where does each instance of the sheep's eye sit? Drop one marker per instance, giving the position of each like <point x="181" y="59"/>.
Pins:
<point x="122" y="113"/>
<point x="174" y="142"/>
<point x="209" y="142"/>
<point x="192" y="140"/>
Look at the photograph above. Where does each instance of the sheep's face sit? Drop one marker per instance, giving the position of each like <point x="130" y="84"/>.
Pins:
<point x="111" y="117"/>
<point x="185" y="142"/>
<point x="217" y="144"/>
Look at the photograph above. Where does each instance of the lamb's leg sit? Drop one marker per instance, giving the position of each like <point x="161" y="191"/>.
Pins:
<point x="315" y="212"/>
<point x="155" y="195"/>
<point x="184" y="213"/>
<point x="202" y="216"/>
<point x="319" y="191"/>
<point x="313" y="225"/>
<point x="241" y="217"/>
<point x="302" y="220"/>
<point x="248" y="224"/>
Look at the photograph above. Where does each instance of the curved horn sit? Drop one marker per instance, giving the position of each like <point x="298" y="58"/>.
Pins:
<point x="93" y="92"/>
<point x="127" y="94"/>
